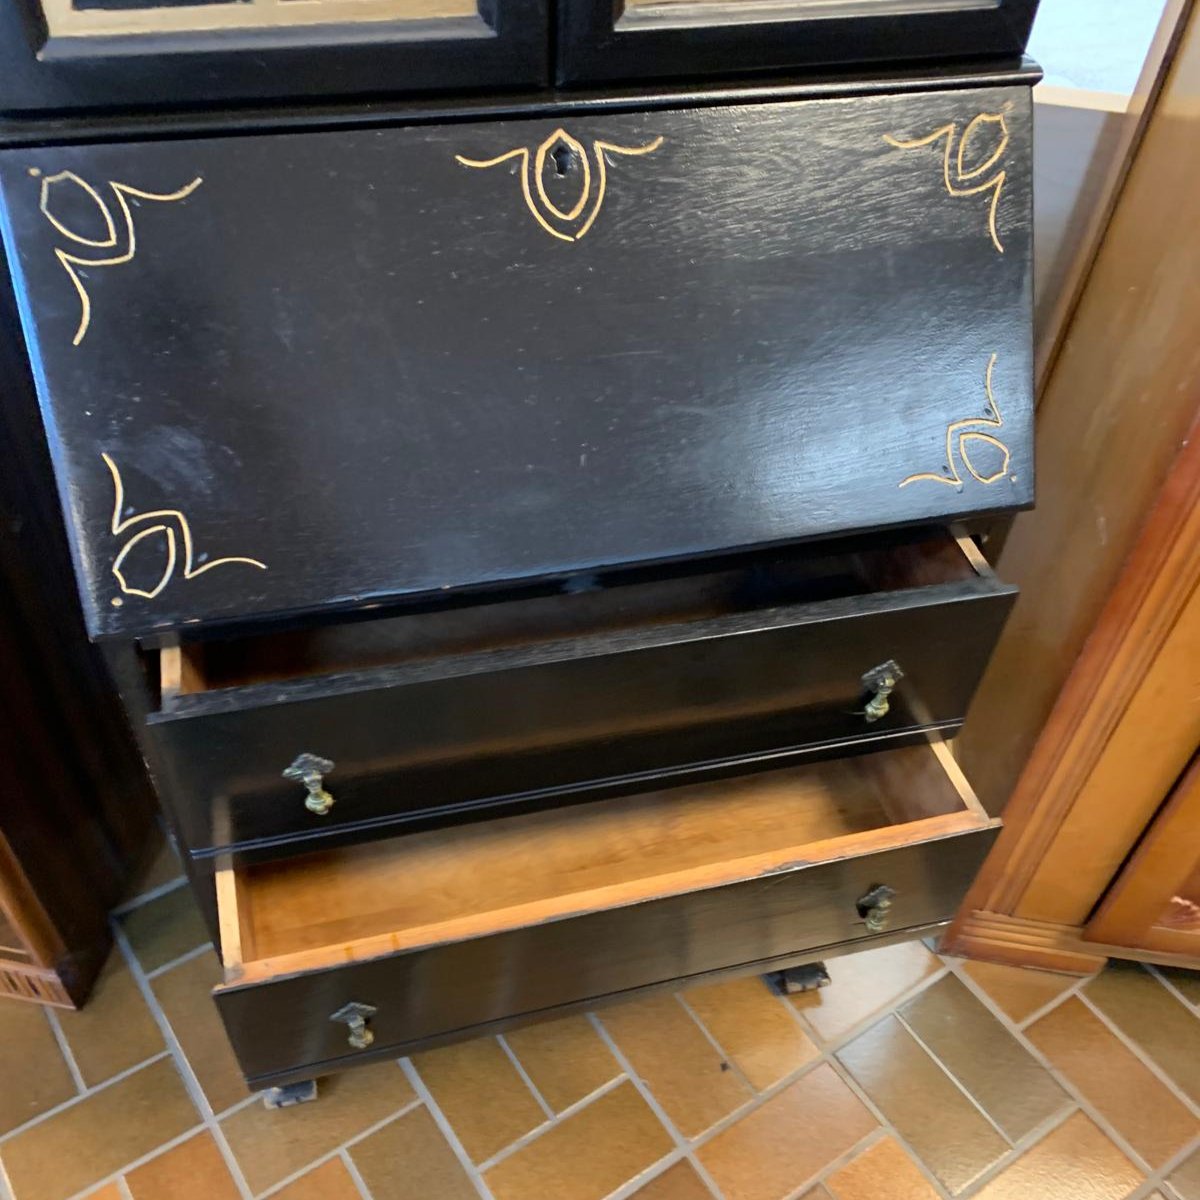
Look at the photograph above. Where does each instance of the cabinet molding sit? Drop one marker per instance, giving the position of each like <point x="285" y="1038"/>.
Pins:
<point x="1095" y="780"/>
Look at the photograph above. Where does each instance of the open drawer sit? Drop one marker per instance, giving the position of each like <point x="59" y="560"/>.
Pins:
<point x="445" y="932"/>
<point x="645" y="680"/>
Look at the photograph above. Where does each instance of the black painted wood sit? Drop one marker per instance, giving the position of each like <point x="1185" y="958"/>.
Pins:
<point x="78" y="808"/>
<point x="437" y="736"/>
<point x="603" y="40"/>
<point x="505" y="45"/>
<point x="70" y="128"/>
<point x="399" y="380"/>
<point x="281" y="1030"/>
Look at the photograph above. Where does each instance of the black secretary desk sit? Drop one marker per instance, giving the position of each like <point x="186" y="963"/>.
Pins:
<point x="520" y="459"/>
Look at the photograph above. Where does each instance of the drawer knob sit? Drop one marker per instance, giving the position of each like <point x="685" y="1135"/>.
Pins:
<point x="355" y="1016"/>
<point x="881" y="681"/>
<point x="310" y="770"/>
<point x="876" y="907"/>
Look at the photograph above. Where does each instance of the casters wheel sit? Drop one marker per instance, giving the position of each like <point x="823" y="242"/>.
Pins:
<point x="303" y="1092"/>
<point x="794" y="980"/>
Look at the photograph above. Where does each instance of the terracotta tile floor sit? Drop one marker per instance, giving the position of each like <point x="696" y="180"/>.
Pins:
<point x="911" y="1077"/>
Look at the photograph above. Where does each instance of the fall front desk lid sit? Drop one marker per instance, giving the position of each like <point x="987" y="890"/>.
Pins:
<point x="286" y="373"/>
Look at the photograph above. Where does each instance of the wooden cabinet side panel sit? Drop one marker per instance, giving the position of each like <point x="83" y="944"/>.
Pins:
<point x="1158" y="870"/>
<point x="1156" y="737"/>
<point x="1114" y="414"/>
<point x="1078" y="811"/>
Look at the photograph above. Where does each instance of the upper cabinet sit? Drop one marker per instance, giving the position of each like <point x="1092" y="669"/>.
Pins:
<point x="58" y="56"/>
<point x="76" y="54"/>
<point x="625" y="39"/>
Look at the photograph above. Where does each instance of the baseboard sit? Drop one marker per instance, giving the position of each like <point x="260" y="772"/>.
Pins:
<point x="1020" y="942"/>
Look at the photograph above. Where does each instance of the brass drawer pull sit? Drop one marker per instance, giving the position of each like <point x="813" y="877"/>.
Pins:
<point x="881" y="681"/>
<point x="356" y="1016"/>
<point x="310" y="770"/>
<point x="876" y="907"/>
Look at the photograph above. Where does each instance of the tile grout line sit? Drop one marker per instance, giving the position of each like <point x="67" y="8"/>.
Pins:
<point x="157" y="893"/>
<point x="1158" y="1178"/>
<point x="1143" y="1056"/>
<point x="1022" y="1145"/>
<point x="544" y="1127"/>
<point x="820" y="1178"/>
<point x="755" y="1102"/>
<point x="1030" y="1141"/>
<point x="1082" y="1102"/>
<point x="1038" y="1013"/>
<point x="354" y="1173"/>
<point x="186" y="957"/>
<point x="826" y="1055"/>
<point x="100" y="1087"/>
<point x="114" y="1176"/>
<point x="864" y="1098"/>
<point x="954" y="1079"/>
<point x="237" y="1106"/>
<point x="321" y="1159"/>
<point x="1152" y="969"/>
<point x="65" y="1048"/>
<point x="182" y="1066"/>
<point x="711" y="1038"/>
<point x="524" y="1074"/>
<point x="684" y="1145"/>
<point x="647" y="1175"/>
<point x="826" y="1052"/>
<point x="832" y="1045"/>
<point x="447" y="1130"/>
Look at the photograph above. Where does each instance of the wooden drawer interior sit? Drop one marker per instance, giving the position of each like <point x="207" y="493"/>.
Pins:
<point x="612" y="603"/>
<point x="447" y="885"/>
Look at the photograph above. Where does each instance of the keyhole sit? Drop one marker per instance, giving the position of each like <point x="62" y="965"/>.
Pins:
<point x="564" y="158"/>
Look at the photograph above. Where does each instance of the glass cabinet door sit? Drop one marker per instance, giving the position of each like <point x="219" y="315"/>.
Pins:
<point x="609" y="39"/>
<point x="74" y="54"/>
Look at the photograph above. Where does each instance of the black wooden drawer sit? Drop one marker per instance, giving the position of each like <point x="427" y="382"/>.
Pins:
<point x="329" y="370"/>
<point x="440" y="715"/>
<point x="445" y="931"/>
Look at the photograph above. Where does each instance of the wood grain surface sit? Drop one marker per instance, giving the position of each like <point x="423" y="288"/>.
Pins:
<point x="379" y="372"/>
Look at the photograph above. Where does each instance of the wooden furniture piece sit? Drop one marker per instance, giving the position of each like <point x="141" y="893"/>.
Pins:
<point x="1085" y="144"/>
<point x="76" y="806"/>
<point x="1153" y="907"/>
<point x="533" y="533"/>
<point x="477" y="928"/>
<point x="1091" y="743"/>
<point x="527" y="703"/>
<point x="64" y="55"/>
<point x="1090" y="866"/>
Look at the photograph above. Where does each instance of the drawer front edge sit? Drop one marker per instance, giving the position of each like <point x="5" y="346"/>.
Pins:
<point x="494" y="739"/>
<point x="282" y="1026"/>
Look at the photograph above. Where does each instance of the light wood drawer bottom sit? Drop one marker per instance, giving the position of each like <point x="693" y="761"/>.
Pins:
<point x="446" y="931"/>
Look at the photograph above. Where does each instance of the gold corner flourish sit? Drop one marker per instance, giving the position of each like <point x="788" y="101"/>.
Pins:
<point x="959" y="436"/>
<point x="123" y="243"/>
<point x="160" y="516"/>
<point x="957" y="175"/>
<point x="573" y="223"/>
